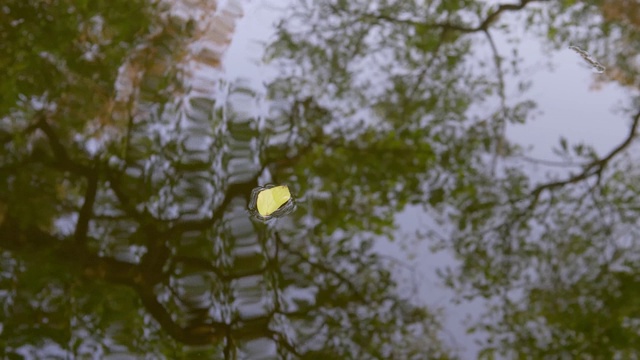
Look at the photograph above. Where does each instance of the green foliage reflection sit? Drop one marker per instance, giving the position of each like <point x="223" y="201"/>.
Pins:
<point x="128" y="162"/>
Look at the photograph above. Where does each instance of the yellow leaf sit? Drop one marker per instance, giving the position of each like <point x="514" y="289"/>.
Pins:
<point x="272" y="199"/>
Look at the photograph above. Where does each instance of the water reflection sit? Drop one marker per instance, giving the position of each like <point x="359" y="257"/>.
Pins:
<point x="129" y="162"/>
<point x="124" y="198"/>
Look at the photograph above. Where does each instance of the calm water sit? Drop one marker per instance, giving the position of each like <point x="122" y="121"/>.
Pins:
<point x="134" y="133"/>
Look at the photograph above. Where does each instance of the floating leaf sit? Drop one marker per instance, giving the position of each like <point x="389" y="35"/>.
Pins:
<point x="595" y="65"/>
<point x="271" y="201"/>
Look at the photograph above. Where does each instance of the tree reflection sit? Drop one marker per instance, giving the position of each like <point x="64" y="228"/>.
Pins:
<point x="127" y="169"/>
<point x="129" y="160"/>
<point x="555" y="259"/>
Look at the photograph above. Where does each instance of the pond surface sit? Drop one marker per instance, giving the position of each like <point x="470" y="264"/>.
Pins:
<point x="319" y="179"/>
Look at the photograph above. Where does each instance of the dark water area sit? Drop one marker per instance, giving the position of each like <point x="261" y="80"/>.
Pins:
<point x="132" y="162"/>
